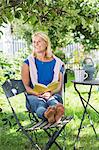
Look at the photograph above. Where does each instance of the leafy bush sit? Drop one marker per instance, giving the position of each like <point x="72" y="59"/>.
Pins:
<point x="61" y="55"/>
<point x="11" y="67"/>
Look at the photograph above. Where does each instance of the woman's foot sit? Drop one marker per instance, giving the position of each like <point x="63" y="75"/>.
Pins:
<point x="50" y="114"/>
<point x="59" y="112"/>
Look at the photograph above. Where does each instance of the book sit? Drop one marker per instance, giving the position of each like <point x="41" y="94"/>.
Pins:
<point x="41" y="88"/>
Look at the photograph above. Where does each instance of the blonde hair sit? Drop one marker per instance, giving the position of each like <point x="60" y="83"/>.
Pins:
<point x="45" y="37"/>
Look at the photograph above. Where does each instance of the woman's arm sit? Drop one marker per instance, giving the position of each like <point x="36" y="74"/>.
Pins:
<point x="59" y="89"/>
<point x="26" y="79"/>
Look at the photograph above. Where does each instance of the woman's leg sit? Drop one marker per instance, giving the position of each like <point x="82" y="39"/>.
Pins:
<point x="52" y="101"/>
<point x="42" y="107"/>
<point x="36" y="105"/>
<point x="50" y="114"/>
<point x="59" y="112"/>
<point x="51" y="110"/>
<point x="58" y="97"/>
<point x="31" y="103"/>
<point x="55" y="99"/>
<point x="59" y="108"/>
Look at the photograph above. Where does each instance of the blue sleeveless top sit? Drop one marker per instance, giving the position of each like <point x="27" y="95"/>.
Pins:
<point x="45" y="70"/>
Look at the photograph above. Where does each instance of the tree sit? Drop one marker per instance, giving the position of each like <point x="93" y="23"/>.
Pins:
<point x="64" y="20"/>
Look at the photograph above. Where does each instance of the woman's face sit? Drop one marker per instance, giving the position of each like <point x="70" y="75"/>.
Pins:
<point x="39" y="44"/>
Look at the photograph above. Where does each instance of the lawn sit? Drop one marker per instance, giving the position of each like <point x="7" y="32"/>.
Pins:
<point x="12" y="140"/>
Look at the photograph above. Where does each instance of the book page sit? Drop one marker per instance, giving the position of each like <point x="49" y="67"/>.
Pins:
<point x="52" y="86"/>
<point x="41" y="88"/>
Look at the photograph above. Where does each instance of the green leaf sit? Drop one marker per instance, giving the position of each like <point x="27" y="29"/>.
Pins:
<point x="32" y="19"/>
<point x="17" y="14"/>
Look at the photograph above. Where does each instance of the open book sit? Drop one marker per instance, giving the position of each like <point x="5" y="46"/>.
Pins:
<point x="41" y="88"/>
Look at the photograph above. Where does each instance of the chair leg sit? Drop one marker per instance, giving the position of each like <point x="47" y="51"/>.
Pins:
<point x="22" y="129"/>
<point x="53" y="138"/>
<point x="54" y="141"/>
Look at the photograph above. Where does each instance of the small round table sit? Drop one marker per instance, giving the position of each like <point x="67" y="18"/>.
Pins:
<point x="86" y="103"/>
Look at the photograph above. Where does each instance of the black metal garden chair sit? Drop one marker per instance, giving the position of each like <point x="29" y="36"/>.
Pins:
<point x="12" y="88"/>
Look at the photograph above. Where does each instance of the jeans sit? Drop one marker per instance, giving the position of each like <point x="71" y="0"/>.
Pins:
<point x="39" y="105"/>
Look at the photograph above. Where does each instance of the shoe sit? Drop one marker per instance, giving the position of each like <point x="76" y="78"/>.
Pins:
<point x="50" y="114"/>
<point x="59" y="112"/>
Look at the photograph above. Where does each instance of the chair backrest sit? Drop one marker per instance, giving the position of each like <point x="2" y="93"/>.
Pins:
<point x="13" y="87"/>
<point x="65" y="76"/>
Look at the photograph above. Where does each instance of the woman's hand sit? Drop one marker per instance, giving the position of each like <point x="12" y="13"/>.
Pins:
<point x="46" y="95"/>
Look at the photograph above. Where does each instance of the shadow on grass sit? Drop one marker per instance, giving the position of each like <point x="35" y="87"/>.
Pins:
<point x="10" y="139"/>
<point x="7" y="118"/>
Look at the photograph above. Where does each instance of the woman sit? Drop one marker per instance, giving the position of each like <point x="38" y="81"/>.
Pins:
<point x="43" y="67"/>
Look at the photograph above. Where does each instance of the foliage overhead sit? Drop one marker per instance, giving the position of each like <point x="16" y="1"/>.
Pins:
<point x="64" y="20"/>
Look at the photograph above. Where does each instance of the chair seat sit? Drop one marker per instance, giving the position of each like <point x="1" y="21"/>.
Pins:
<point x="45" y="125"/>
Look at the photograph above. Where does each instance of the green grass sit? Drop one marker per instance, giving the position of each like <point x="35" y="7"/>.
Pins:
<point x="12" y="140"/>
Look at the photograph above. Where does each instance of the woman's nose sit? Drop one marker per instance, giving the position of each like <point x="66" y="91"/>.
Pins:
<point x="36" y="43"/>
